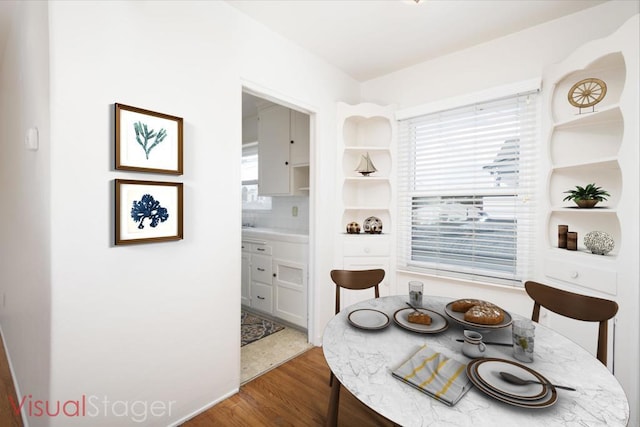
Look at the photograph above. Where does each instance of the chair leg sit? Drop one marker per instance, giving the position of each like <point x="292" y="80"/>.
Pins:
<point x="334" y="404"/>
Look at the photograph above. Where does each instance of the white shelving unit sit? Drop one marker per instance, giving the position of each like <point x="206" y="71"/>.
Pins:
<point x="366" y="128"/>
<point x="598" y="146"/>
<point x="584" y="146"/>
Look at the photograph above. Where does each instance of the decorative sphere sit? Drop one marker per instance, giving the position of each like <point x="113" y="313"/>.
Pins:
<point x="372" y="225"/>
<point x="599" y="242"/>
<point x="353" y="228"/>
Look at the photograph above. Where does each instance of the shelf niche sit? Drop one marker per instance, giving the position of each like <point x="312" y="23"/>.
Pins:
<point x="359" y="215"/>
<point x="605" y="174"/>
<point x="609" y="68"/>
<point x="590" y="220"/>
<point x="381" y="159"/>
<point x="364" y="132"/>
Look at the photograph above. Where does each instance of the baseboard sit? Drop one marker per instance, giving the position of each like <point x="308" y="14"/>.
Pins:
<point x="16" y="386"/>
<point x="203" y="408"/>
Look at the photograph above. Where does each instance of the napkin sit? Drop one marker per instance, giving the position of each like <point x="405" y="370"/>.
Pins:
<point x="438" y="376"/>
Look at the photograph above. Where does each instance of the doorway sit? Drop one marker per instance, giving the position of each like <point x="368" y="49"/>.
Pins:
<point x="276" y="202"/>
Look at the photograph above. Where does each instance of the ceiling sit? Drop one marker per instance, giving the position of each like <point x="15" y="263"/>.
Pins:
<point x="371" y="38"/>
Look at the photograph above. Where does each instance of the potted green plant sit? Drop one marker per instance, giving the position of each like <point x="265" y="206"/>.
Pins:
<point x="588" y="196"/>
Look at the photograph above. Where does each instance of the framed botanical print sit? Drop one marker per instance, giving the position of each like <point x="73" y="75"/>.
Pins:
<point x="147" y="141"/>
<point x="147" y="211"/>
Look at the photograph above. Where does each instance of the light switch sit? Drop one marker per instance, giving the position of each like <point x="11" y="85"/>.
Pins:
<point x="31" y="139"/>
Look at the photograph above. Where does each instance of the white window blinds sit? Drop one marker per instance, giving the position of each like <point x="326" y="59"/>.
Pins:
<point x="466" y="186"/>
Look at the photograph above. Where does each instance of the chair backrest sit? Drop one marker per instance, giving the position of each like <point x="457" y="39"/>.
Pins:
<point x="356" y="280"/>
<point x="574" y="306"/>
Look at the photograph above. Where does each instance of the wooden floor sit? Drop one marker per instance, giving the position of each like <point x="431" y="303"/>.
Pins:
<point x="294" y="394"/>
<point x="8" y="417"/>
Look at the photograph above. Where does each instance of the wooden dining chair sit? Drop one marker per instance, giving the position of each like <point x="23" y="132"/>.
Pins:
<point x="354" y="280"/>
<point x="574" y="306"/>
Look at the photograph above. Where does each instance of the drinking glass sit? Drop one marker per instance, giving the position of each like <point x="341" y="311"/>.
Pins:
<point x="523" y="332"/>
<point x="415" y="293"/>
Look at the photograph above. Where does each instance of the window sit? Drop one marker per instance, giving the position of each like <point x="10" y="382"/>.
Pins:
<point x="466" y="190"/>
<point x="249" y="171"/>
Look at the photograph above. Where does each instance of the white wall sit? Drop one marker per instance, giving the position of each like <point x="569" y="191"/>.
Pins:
<point x="517" y="57"/>
<point x="25" y="208"/>
<point x="154" y="322"/>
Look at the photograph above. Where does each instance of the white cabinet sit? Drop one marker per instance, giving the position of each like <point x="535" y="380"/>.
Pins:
<point x="283" y="151"/>
<point x="370" y="251"/>
<point x="257" y="276"/>
<point x="366" y="129"/>
<point x="275" y="274"/>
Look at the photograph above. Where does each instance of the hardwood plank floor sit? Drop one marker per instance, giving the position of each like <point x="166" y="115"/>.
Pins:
<point x="294" y="394"/>
<point x="8" y="417"/>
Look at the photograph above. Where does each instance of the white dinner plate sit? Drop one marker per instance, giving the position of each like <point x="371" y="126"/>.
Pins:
<point x="544" y="402"/>
<point x="458" y="317"/>
<point x="488" y="371"/>
<point x="366" y="318"/>
<point x="438" y="321"/>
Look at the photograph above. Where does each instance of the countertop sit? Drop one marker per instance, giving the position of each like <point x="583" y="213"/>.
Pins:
<point x="283" y="235"/>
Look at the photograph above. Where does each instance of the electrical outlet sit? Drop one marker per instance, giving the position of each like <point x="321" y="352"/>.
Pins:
<point x="294" y="211"/>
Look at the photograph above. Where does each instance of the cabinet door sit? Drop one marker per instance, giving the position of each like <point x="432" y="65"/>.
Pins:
<point x="246" y="279"/>
<point x="290" y="286"/>
<point x="299" y="145"/>
<point x="273" y="151"/>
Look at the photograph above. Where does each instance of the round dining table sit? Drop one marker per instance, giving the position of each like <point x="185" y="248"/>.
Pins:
<point x="363" y="360"/>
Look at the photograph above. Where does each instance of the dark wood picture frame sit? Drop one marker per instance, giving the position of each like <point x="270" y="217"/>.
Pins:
<point x="147" y="141"/>
<point x="148" y="211"/>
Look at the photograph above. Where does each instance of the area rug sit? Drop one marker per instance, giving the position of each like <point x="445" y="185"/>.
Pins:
<point x="255" y="327"/>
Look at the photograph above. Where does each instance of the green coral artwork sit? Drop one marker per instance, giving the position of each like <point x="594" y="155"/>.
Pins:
<point x="148" y="138"/>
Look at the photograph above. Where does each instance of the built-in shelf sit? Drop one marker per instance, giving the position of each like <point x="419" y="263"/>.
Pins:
<point x="607" y="114"/>
<point x="366" y="129"/>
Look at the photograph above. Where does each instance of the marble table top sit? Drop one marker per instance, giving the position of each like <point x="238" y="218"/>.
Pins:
<point x="363" y="360"/>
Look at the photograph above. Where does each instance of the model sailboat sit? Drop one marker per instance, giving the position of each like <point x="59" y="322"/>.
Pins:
<point x="366" y="167"/>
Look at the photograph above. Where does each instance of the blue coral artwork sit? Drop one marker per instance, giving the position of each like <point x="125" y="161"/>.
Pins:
<point x="148" y="208"/>
<point x="147" y="211"/>
<point x="147" y="141"/>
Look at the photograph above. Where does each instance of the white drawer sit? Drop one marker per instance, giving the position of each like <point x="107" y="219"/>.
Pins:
<point x="261" y="268"/>
<point x="598" y="279"/>
<point x="367" y="246"/>
<point x="262" y="297"/>
<point x="261" y="249"/>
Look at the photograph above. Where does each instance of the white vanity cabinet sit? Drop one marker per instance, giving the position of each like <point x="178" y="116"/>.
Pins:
<point x="275" y="274"/>
<point x="283" y="151"/>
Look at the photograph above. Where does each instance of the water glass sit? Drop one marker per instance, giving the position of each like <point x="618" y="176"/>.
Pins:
<point x="415" y="293"/>
<point x="523" y="332"/>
